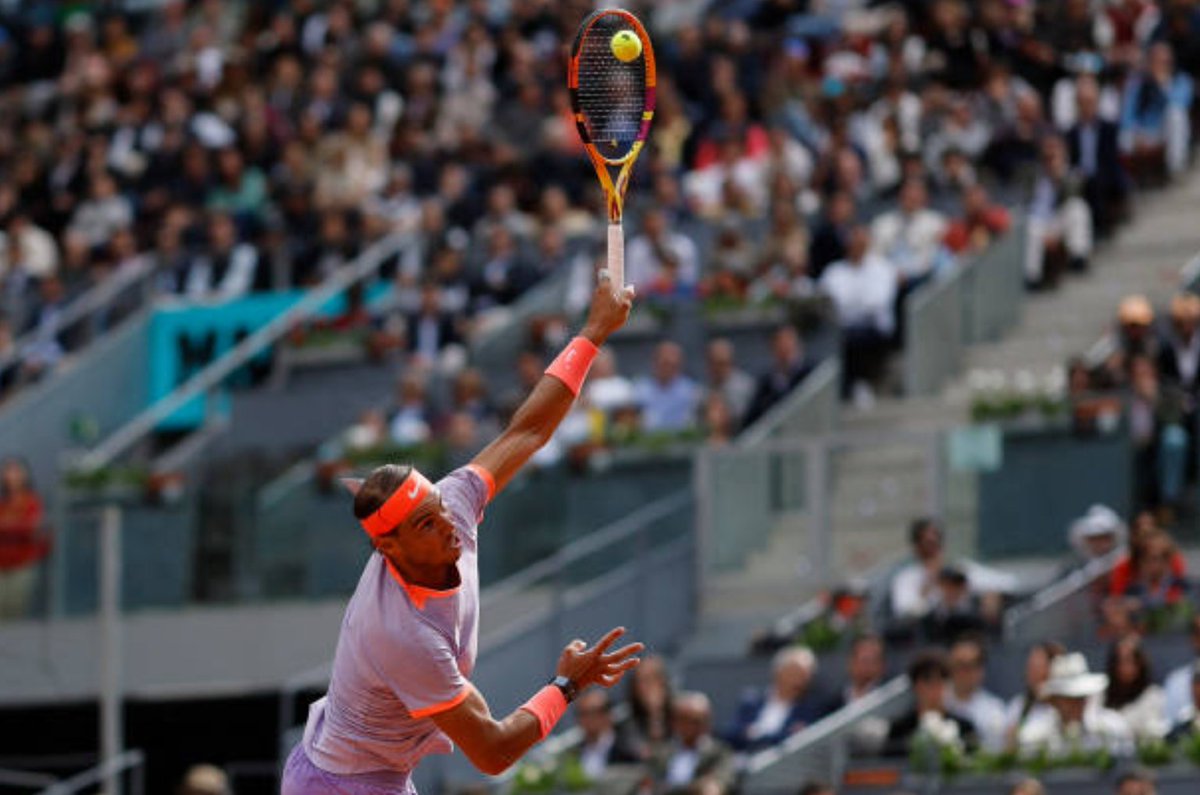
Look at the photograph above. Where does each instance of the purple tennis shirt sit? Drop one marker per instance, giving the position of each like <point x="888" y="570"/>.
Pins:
<point x="404" y="653"/>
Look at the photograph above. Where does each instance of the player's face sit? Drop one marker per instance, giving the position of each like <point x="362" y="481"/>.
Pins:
<point x="427" y="536"/>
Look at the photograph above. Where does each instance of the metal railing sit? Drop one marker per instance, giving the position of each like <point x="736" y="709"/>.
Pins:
<point x="811" y="408"/>
<point x="822" y="751"/>
<point x="131" y="762"/>
<point x="994" y="288"/>
<point x="208" y="379"/>
<point x="934" y="338"/>
<point x="1065" y="610"/>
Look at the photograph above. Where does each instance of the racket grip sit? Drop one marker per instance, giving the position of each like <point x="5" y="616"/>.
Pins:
<point x="616" y="255"/>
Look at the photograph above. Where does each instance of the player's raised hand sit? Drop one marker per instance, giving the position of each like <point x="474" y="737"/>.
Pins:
<point x="597" y="665"/>
<point x="610" y="309"/>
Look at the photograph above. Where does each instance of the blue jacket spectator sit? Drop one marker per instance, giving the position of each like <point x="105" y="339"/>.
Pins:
<point x="771" y="715"/>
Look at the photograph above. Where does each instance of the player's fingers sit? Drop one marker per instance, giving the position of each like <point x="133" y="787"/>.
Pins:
<point x="624" y="651"/>
<point x="628" y="293"/>
<point x="578" y="644"/>
<point x="608" y="640"/>
<point x="622" y="665"/>
<point x="603" y="276"/>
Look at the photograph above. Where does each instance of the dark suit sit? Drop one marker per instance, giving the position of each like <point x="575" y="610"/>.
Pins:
<point x="774" y="386"/>
<point x="621" y="752"/>
<point x="1106" y="185"/>
<point x="445" y="331"/>
<point x="804" y="712"/>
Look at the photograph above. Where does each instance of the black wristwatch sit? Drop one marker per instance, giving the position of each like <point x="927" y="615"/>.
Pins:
<point x="568" y="688"/>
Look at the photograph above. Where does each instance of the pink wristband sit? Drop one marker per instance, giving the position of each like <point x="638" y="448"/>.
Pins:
<point x="548" y="706"/>
<point x="572" y="365"/>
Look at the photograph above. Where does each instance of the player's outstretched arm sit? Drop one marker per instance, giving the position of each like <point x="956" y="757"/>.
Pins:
<point x="537" y="418"/>
<point x="494" y="745"/>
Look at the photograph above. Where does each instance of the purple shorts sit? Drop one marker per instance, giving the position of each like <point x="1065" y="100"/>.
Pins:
<point x="302" y="777"/>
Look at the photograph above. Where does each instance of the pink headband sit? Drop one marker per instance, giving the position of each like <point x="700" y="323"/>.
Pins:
<point x="398" y="506"/>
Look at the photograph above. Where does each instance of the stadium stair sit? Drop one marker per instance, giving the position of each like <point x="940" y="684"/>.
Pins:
<point x="877" y="490"/>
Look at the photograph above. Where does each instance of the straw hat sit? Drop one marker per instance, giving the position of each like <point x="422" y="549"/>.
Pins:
<point x="1070" y="677"/>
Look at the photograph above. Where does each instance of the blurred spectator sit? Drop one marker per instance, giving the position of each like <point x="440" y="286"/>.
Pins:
<point x="1136" y="782"/>
<point x="1132" y="692"/>
<point x="1177" y="687"/>
<point x="910" y="237"/>
<point x="205" y="780"/>
<point x="955" y="610"/>
<point x="693" y="761"/>
<point x="104" y="212"/>
<point x="1157" y="419"/>
<point x="863" y="288"/>
<point x="22" y="541"/>
<point x="606" y="389"/>
<point x="602" y="744"/>
<point x="47" y="347"/>
<point x="768" y="717"/>
<point x="1077" y="719"/>
<point x="724" y="378"/>
<point x="27" y="247"/>
<point x="865" y="668"/>
<point x="1154" y="581"/>
<point x="927" y="675"/>
<point x="668" y="398"/>
<point x="967" y="697"/>
<point x="661" y="262"/>
<point x="788" y="368"/>
<point x="832" y="234"/>
<point x="1028" y="786"/>
<point x="1154" y="114"/>
<point x="717" y="420"/>
<point x="410" y="421"/>
<point x="370" y="431"/>
<point x="981" y="222"/>
<point x="226" y="269"/>
<point x="1094" y="144"/>
<point x="1187" y="718"/>
<point x="1179" y="355"/>
<point x="1060" y="229"/>
<point x="1030" y="703"/>
<point x="1097" y="533"/>
<point x="650" y="700"/>
<point x="431" y="330"/>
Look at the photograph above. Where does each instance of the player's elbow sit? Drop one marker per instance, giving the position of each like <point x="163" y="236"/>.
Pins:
<point x="494" y="763"/>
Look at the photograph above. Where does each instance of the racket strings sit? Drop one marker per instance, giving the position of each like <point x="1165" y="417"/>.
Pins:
<point x="612" y="93"/>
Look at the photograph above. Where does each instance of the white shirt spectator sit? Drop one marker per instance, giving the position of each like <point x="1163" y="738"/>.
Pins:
<point x="594" y="758"/>
<point x="705" y="188"/>
<point x="914" y="592"/>
<point x="863" y="294"/>
<point x="986" y="711"/>
<point x="203" y="282"/>
<point x="642" y="262"/>
<point x="97" y="219"/>
<point x="1146" y="715"/>
<point x="1100" y="729"/>
<point x="610" y="393"/>
<point x="911" y="241"/>
<point x="1177" y="694"/>
<point x="38" y="252"/>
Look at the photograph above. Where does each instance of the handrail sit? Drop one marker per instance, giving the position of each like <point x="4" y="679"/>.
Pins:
<point x="23" y="778"/>
<point x="1060" y="590"/>
<point x="777" y="415"/>
<point x="830" y="726"/>
<point x="349" y="274"/>
<point x="96" y="298"/>
<point x="605" y="536"/>
<point x="130" y="760"/>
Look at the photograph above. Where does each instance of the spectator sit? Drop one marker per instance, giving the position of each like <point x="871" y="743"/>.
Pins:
<point x="430" y="330"/>
<point x="1030" y="704"/>
<point x="1125" y="572"/>
<point x="1027" y="786"/>
<point x="1132" y="692"/>
<point x="103" y="213"/>
<point x="659" y="261"/>
<point x="865" y="668"/>
<point x="22" y="541"/>
<point x="910" y="237"/>
<point x="606" y="389"/>
<point x="717" y="421"/>
<point x="668" y="398"/>
<point x="1154" y="114"/>
<point x="726" y="379"/>
<point x="1178" y="685"/>
<point x="693" y="761"/>
<point x="1136" y="783"/>
<point x="1077" y="720"/>
<point x="1187" y="718"/>
<point x="27" y="247"/>
<point x="1097" y="533"/>
<point x="602" y="744"/>
<point x="967" y="697"/>
<point x="410" y="422"/>
<point x="1060" y="222"/>
<point x="788" y="368"/>
<point x="832" y="234"/>
<point x="768" y="717"/>
<point x="227" y="269"/>
<point x="205" y="780"/>
<point x="1179" y="356"/>
<point x="980" y="224"/>
<point x="1155" y="583"/>
<point x="863" y="288"/>
<point x="650" y="702"/>
<point x="369" y="432"/>
<point x="955" y="611"/>
<point x="927" y="676"/>
<point x="1157" y="419"/>
<point x="1094" y="145"/>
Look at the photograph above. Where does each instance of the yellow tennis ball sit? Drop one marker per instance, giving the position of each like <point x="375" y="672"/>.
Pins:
<point x="626" y="45"/>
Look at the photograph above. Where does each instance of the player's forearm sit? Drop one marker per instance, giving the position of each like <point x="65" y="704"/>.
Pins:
<point x="512" y="738"/>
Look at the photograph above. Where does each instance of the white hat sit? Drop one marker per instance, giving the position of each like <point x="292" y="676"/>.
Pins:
<point x="1098" y="521"/>
<point x="1069" y="676"/>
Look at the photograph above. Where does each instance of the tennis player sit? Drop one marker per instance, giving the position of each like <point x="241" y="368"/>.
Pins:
<point x="399" y="688"/>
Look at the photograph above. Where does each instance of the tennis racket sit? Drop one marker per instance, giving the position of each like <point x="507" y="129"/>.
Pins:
<point x="613" y="102"/>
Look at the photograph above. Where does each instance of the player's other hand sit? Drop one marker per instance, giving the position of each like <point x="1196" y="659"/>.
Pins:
<point x="596" y="665"/>
<point x="610" y="308"/>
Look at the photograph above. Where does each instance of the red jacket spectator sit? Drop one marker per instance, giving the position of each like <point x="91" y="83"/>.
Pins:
<point x="21" y="517"/>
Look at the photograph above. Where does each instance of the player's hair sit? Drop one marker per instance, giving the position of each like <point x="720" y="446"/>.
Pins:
<point x="378" y="486"/>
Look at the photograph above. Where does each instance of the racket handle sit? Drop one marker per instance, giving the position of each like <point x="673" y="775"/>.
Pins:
<point x="616" y="255"/>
